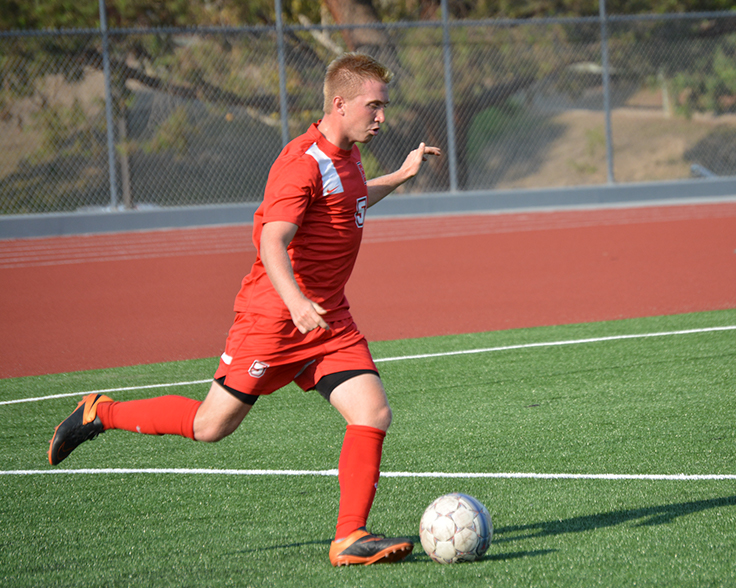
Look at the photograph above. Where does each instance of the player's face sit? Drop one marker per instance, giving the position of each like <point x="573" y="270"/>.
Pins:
<point x="365" y="113"/>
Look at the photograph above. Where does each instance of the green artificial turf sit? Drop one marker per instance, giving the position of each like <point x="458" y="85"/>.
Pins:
<point x="639" y="406"/>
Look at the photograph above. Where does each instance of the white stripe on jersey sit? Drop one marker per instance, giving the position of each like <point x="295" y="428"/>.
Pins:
<point x="331" y="182"/>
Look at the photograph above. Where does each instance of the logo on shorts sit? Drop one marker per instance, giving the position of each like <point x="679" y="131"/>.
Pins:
<point x="258" y="369"/>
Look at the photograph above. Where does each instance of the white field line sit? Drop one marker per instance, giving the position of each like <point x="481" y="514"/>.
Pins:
<point x="408" y="357"/>
<point x="109" y="390"/>
<point x="512" y="475"/>
<point x="560" y="343"/>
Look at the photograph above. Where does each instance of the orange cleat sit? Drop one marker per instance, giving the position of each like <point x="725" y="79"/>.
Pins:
<point x="364" y="548"/>
<point x="80" y="426"/>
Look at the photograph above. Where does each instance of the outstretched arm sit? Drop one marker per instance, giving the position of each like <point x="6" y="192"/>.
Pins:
<point x="275" y="238"/>
<point x="379" y="188"/>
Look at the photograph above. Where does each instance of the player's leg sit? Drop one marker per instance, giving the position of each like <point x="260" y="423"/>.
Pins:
<point x="211" y="420"/>
<point x="221" y="412"/>
<point x="362" y="401"/>
<point x="347" y="377"/>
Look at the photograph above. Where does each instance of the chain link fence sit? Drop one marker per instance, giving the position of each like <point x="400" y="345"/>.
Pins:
<point x="198" y="116"/>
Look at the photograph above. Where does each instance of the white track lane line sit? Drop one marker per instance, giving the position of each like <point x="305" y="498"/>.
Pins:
<point x="49" y="251"/>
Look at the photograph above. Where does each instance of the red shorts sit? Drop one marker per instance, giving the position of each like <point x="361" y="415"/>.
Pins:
<point x="263" y="354"/>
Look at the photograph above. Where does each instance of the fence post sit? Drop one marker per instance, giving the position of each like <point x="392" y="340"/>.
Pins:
<point x="606" y="90"/>
<point x="108" y="108"/>
<point x="282" y="75"/>
<point x="449" y="106"/>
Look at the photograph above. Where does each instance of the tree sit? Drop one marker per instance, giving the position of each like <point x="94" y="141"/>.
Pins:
<point x="226" y="70"/>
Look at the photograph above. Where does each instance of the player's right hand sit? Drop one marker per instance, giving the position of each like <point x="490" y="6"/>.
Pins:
<point x="307" y="316"/>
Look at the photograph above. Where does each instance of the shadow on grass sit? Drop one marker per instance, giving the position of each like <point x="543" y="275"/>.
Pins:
<point x="416" y="557"/>
<point x="285" y="546"/>
<point x="422" y="557"/>
<point x="650" y="516"/>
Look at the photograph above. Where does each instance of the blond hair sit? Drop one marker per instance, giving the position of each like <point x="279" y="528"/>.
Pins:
<point x="346" y="75"/>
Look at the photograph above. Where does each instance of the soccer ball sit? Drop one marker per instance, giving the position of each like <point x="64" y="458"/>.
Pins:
<point x="454" y="528"/>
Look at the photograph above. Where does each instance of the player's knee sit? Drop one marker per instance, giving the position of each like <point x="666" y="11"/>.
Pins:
<point x="383" y="418"/>
<point x="207" y="436"/>
<point x="211" y="433"/>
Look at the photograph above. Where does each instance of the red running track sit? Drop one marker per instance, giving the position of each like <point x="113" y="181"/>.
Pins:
<point x="87" y="302"/>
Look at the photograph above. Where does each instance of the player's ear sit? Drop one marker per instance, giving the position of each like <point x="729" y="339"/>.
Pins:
<point x="338" y="104"/>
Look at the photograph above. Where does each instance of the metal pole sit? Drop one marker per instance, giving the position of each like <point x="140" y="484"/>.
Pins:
<point x="108" y="109"/>
<point x="449" y="107"/>
<point x="606" y="90"/>
<point x="282" y="75"/>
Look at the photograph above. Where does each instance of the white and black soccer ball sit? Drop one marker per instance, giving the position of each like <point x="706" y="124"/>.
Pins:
<point x="455" y="528"/>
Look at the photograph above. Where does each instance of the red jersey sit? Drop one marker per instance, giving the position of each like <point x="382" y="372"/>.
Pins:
<point x="321" y="189"/>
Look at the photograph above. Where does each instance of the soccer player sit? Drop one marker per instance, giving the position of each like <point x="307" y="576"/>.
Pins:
<point x="292" y="318"/>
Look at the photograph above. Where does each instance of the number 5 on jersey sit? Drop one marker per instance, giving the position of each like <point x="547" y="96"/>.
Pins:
<point x="361" y="205"/>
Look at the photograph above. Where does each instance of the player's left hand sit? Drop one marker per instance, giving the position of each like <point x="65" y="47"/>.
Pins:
<point x="413" y="162"/>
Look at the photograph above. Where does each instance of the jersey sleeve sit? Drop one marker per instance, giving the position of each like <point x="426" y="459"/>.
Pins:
<point x="290" y="190"/>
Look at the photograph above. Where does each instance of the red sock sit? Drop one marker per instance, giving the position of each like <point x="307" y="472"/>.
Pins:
<point x="164" y="415"/>
<point x="358" y="472"/>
